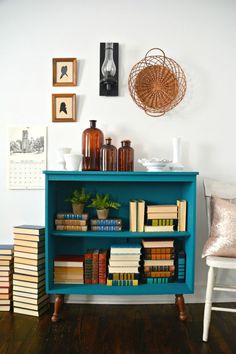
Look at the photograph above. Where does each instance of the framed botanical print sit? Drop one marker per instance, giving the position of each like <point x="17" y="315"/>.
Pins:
<point x="64" y="107"/>
<point x="64" y="71"/>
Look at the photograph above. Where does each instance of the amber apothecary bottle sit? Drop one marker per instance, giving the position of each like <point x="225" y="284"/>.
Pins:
<point x="126" y="156"/>
<point x="108" y="156"/>
<point x="92" y="141"/>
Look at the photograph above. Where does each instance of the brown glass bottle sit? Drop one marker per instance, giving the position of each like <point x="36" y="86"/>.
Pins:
<point x="92" y="140"/>
<point x="108" y="157"/>
<point x="126" y="156"/>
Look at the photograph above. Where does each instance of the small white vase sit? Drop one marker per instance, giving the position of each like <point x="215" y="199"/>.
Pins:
<point x="61" y="164"/>
<point x="73" y="161"/>
<point x="176" y="160"/>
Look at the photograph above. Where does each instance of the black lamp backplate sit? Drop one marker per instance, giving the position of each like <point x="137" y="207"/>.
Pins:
<point x="102" y="89"/>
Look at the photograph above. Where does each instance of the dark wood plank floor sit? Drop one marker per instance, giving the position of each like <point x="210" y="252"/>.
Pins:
<point x="118" y="329"/>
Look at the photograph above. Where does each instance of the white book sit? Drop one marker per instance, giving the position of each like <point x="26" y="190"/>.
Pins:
<point x="5" y="302"/>
<point x="124" y="257"/>
<point x="123" y="269"/>
<point x="28" y="295"/>
<point x="35" y="307"/>
<point x="133" y="215"/>
<point x="5" y="308"/>
<point x="28" y="284"/>
<point x="34" y="301"/>
<point x="29" y="267"/>
<point x="123" y="263"/>
<point x="29" y="272"/>
<point x="29" y="255"/>
<point x="30" y="312"/>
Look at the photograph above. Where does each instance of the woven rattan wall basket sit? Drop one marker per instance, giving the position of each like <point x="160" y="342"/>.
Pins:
<point x="157" y="84"/>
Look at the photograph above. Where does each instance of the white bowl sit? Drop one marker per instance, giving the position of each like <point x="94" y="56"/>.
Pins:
<point x="155" y="164"/>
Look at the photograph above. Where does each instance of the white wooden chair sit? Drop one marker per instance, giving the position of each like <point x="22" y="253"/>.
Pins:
<point x="225" y="191"/>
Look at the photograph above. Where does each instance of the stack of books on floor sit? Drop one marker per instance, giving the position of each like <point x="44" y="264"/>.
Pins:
<point x="6" y="269"/>
<point x="162" y="218"/>
<point x="95" y="264"/>
<point x="71" y="222"/>
<point x="124" y="263"/>
<point x="29" y="295"/>
<point x="69" y="270"/>
<point x="158" y="261"/>
<point x="106" y="224"/>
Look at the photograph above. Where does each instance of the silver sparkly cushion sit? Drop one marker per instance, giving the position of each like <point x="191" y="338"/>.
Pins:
<point x="222" y="240"/>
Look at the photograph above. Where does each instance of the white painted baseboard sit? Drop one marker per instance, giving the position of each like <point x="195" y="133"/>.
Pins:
<point x="197" y="297"/>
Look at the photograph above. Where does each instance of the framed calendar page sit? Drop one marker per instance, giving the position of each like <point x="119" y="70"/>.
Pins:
<point x="27" y="157"/>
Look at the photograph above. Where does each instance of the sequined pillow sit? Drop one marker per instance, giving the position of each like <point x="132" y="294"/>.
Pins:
<point x="222" y="240"/>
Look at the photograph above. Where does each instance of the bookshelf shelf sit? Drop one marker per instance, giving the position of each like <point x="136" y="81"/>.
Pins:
<point x="143" y="289"/>
<point x="154" y="188"/>
<point x="120" y="234"/>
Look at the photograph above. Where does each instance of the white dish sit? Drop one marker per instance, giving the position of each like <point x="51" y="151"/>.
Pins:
<point x="155" y="164"/>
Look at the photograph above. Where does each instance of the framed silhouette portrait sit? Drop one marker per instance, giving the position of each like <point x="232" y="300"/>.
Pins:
<point x="64" y="71"/>
<point x="63" y="107"/>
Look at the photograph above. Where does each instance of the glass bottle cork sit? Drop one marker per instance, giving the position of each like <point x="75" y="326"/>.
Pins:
<point x="126" y="156"/>
<point x="108" y="156"/>
<point x="92" y="140"/>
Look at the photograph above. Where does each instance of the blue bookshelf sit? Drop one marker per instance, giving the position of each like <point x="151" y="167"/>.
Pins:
<point x="153" y="187"/>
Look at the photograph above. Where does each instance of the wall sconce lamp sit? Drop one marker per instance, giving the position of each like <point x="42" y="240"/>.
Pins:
<point x="109" y="69"/>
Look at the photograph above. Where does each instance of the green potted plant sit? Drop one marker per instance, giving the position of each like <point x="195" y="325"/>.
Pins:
<point x="78" y="199"/>
<point x="102" y="203"/>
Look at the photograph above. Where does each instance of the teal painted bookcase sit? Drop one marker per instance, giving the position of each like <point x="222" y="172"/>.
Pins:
<point x="153" y="187"/>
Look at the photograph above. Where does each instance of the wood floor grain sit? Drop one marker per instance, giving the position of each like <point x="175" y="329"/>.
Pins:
<point x="118" y="329"/>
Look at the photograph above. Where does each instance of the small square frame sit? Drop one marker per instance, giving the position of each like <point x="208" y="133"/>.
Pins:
<point x="73" y="81"/>
<point x="57" y="119"/>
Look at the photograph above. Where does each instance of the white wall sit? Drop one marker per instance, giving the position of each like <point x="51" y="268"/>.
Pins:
<point x="199" y="35"/>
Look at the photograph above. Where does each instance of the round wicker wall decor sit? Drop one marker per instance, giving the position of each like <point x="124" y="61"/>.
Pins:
<point x="157" y="84"/>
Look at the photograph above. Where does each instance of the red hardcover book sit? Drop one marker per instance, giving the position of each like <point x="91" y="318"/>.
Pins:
<point x="95" y="267"/>
<point x="102" y="266"/>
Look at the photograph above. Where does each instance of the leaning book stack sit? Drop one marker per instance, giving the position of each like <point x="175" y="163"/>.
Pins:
<point x="29" y="295"/>
<point x="124" y="263"/>
<point x="158" y="261"/>
<point x="71" y="222"/>
<point x="161" y="218"/>
<point x="69" y="270"/>
<point x="6" y="269"/>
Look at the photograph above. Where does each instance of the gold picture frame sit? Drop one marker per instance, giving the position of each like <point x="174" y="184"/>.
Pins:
<point x="64" y="107"/>
<point x="64" y="71"/>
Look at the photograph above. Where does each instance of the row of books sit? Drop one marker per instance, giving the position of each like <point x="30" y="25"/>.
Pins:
<point x="80" y="222"/>
<point x="158" y="218"/>
<point x="154" y="262"/>
<point x="29" y="295"/>
<point x="69" y="270"/>
<point x="95" y="266"/>
<point x="6" y="271"/>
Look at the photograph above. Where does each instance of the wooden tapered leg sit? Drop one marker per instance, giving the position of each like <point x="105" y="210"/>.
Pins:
<point x="179" y="301"/>
<point x="57" y="307"/>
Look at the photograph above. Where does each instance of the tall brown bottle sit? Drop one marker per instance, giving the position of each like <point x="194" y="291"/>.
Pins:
<point x="108" y="156"/>
<point x="92" y="140"/>
<point x="126" y="156"/>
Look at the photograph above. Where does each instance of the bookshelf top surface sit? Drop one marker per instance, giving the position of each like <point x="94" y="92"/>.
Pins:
<point x="115" y="173"/>
<point x="118" y="176"/>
